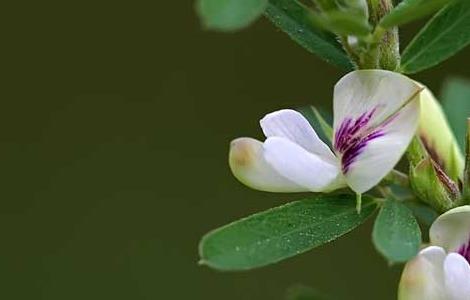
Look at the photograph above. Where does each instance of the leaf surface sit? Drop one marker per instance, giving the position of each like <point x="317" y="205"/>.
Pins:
<point x="282" y="232"/>
<point x="396" y="233"/>
<point x="229" y="15"/>
<point x="411" y="10"/>
<point x="295" y="19"/>
<point x="456" y="104"/>
<point x="443" y="36"/>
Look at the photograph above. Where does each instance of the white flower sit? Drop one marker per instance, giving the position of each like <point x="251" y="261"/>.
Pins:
<point x="376" y="114"/>
<point x="441" y="271"/>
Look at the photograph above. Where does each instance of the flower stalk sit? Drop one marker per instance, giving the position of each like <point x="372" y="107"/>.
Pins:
<point x="384" y="47"/>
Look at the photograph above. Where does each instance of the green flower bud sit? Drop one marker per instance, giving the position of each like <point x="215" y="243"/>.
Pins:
<point x="436" y="162"/>
<point x="429" y="182"/>
<point x="437" y="137"/>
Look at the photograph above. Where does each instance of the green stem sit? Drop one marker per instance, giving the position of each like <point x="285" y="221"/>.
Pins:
<point x="385" y="46"/>
<point x="358" y="203"/>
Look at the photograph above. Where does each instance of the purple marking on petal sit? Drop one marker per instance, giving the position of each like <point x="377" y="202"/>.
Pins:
<point x="464" y="250"/>
<point x="353" y="136"/>
<point x="351" y="153"/>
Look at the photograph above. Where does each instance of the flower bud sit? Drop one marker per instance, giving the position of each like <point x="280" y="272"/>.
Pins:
<point x="429" y="182"/>
<point x="438" y="138"/>
<point x="436" y="162"/>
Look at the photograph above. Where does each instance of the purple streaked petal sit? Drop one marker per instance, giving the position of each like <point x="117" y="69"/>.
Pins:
<point x="464" y="250"/>
<point x="451" y="230"/>
<point x="360" y="92"/>
<point x="353" y="136"/>
<point x="351" y="128"/>
<point x="350" y="154"/>
<point x="372" y="151"/>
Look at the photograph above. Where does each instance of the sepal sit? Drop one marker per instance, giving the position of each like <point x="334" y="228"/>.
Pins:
<point x="429" y="181"/>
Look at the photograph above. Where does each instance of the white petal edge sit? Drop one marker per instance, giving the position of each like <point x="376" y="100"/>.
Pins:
<point x="362" y="91"/>
<point x="381" y="154"/>
<point x="451" y="229"/>
<point x="248" y="165"/>
<point x="423" y="276"/>
<point x="302" y="167"/>
<point x="292" y="125"/>
<point x="434" y="253"/>
<point x="457" y="277"/>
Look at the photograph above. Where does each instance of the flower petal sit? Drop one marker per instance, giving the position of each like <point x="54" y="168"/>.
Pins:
<point x="292" y="125"/>
<point x="451" y="230"/>
<point x="423" y="276"/>
<point x="248" y="165"/>
<point x="302" y="167"/>
<point x="434" y="253"/>
<point x="372" y="158"/>
<point x="379" y="93"/>
<point x="457" y="277"/>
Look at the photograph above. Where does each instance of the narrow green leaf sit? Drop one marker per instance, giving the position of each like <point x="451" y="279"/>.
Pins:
<point x="411" y="10"/>
<point x="282" y="232"/>
<point x="396" y="234"/>
<point x="456" y="104"/>
<point x="321" y="126"/>
<point x="343" y="23"/>
<point x="325" y="126"/>
<point x="294" y="19"/>
<point x="229" y="15"/>
<point x="443" y="36"/>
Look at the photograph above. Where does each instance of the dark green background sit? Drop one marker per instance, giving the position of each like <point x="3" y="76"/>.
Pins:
<point x="115" y="122"/>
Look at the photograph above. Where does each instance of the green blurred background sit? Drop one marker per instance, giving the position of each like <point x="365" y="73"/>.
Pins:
<point x="115" y="123"/>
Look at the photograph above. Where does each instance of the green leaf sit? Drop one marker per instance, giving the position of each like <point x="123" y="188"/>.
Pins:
<point x="343" y="23"/>
<point x="294" y="19"/>
<point x="411" y="10"/>
<point x="425" y="214"/>
<point x="456" y="104"/>
<point x="396" y="234"/>
<point x="229" y="15"/>
<point x="282" y="232"/>
<point x="443" y="36"/>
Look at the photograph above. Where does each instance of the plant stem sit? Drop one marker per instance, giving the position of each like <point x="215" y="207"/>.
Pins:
<point x="384" y="51"/>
